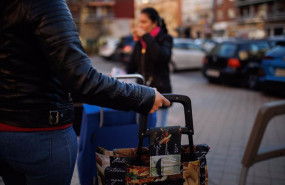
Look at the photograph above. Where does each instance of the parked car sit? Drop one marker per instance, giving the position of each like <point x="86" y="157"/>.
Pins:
<point x="224" y="39"/>
<point x="125" y="48"/>
<point x="108" y="48"/>
<point x="273" y="65"/>
<point x="207" y="44"/>
<point x="186" y="54"/>
<point x="276" y="40"/>
<point x="236" y="62"/>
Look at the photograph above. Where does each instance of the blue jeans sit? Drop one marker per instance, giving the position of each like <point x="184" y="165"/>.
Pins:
<point x="38" y="158"/>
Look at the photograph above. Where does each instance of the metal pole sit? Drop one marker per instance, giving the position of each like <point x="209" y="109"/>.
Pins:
<point x="243" y="175"/>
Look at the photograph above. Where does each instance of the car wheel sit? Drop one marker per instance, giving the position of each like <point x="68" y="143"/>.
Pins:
<point x="108" y="58"/>
<point x="213" y="81"/>
<point x="251" y="81"/>
<point x="172" y="67"/>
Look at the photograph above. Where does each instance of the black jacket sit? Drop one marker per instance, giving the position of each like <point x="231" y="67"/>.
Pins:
<point x="42" y="60"/>
<point x="154" y="64"/>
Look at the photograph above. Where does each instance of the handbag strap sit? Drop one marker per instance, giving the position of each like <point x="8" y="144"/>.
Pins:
<point x="188" y="129"/>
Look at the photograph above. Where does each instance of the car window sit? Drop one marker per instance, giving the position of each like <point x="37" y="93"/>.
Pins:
<point x="274" y="43"/>
<point x="224" y="50"/>
<point x="258" y="49"/>
<point x="277" y="51"/>
<point x="193" y="46"/>
<point x="280" y="43"/>
<point x="179" y="45"/>
<point x="262" y="45"/>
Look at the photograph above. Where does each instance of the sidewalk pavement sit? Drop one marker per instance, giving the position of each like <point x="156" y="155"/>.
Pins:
<point x="223" y="118"/>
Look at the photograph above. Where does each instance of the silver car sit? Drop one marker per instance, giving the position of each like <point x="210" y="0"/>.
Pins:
<point x="186" y="55"/>
<point x="108" y="48"/>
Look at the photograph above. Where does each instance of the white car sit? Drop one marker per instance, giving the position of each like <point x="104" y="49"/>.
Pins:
<point x="108" y="49"/>
<point x="186" y="55"/>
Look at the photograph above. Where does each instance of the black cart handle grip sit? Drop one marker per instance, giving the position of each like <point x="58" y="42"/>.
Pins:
<point x="189" y="130"/>
<point x="186" y="102"/>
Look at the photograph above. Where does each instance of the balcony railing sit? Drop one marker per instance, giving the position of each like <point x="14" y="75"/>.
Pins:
<point x="251" y="2"/>
<point x="276" y="16"/>
<point x="250" y="19"/>
<point x="96" y="18"/>
<point x="102" y="3"/>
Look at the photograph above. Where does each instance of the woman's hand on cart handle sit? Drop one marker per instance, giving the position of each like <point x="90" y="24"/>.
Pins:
<point x="159" y="102"/>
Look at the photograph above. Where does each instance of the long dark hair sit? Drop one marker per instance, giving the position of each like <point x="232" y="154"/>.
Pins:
<point x="154" y="17"/>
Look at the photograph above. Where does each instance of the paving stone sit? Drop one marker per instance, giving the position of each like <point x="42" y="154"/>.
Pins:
<point x="262" y="180"/>
<point x="277" y="182"/>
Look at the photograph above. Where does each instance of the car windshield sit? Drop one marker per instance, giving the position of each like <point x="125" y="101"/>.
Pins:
<point x="224" y="50"/>
<point x="277" y="51"/>
<point x="258" y="49"/>
<point x="180" y="45"/>
<point x="186" y="46"/>
<point x="262" y="45"/>
<point x="193" y="46"/>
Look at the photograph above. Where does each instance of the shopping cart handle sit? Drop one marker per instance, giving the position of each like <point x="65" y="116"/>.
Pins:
<point x="139" y="77"/>
<point x="186" y="102"/>
<point x="189" y="130"/>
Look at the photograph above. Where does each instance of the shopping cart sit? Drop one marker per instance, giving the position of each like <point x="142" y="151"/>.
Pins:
<point x="164" y="162"/>
<point x="107" y="128"/>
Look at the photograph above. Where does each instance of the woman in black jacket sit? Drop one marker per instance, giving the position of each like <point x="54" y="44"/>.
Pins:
<point x="152" y="54"/>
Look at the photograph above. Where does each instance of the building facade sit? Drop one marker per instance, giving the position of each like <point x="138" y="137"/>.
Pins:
<point x="225" y="16"/>
<point x="261" y="18"/>
<point x="197" y="18"/>
<point x="97" y="18"/>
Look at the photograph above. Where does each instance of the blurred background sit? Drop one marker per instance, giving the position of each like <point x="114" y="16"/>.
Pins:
<point x="200" y="20"/>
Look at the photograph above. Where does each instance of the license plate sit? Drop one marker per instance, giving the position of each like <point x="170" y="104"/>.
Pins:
<point x="213" y="73"/>
<point x="280" y="72"/>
